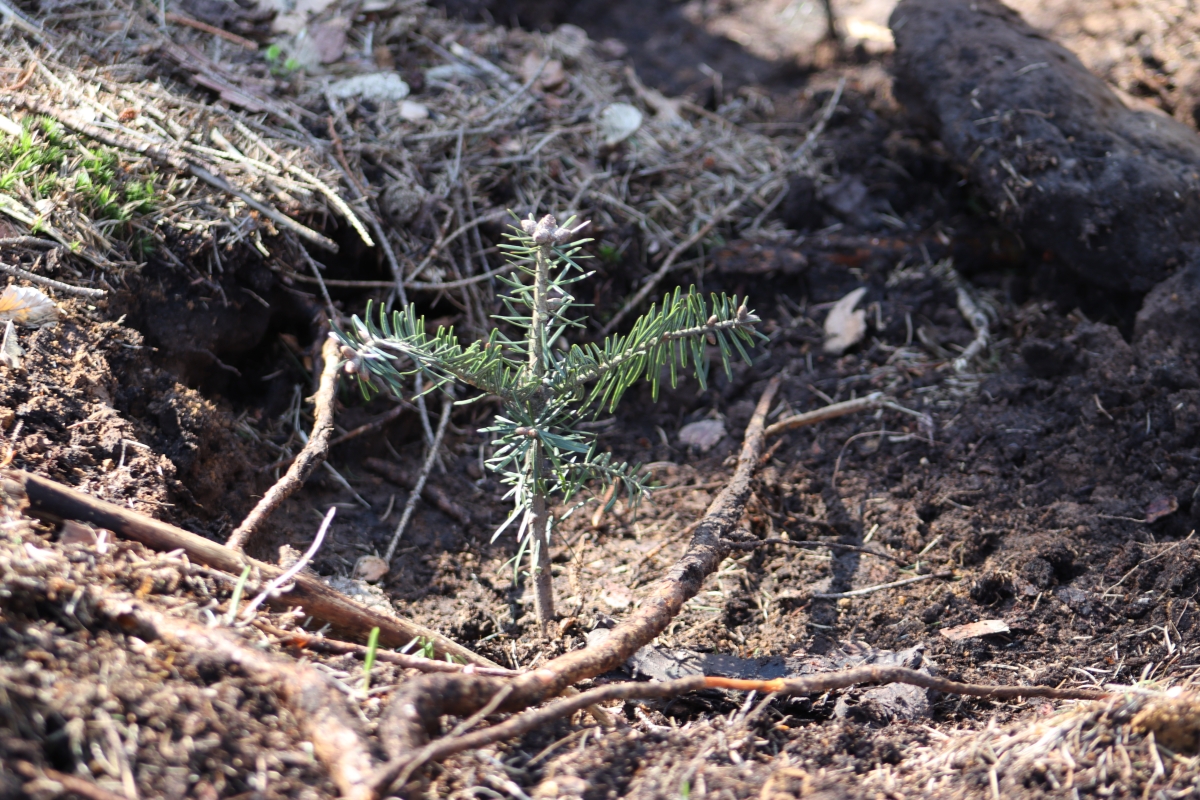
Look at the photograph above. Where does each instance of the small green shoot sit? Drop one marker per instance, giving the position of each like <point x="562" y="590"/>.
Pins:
<point x="236" y="600"/>
<point x="369" y="662"/>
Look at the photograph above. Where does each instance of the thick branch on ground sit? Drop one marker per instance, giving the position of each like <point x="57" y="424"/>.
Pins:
<point x="323" y="712"/>
<point x="310" y="457"/>
<point x="420" y="702"/>
<point x="48" y="500"/>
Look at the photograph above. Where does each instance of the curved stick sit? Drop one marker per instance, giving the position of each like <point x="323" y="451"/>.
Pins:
<point x="309" y="458"/>
<point x="421" y="701"/>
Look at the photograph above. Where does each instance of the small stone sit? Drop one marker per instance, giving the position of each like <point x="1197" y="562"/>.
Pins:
<point x="77" y="533"/>
<point x="703" y="435"/>
<point x="370" y="569"/>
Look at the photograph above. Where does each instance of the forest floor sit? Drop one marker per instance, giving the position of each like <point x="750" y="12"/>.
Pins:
<point x="1055" y="494"/>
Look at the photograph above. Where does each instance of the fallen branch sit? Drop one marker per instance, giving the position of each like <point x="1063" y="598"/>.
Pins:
<point x="65" y="288"/>
<point x="70" y="783"/>
<point x="809" y="684"/>
<point x="834" y="410"/>
<point x="419" y="703"/>
<point x="53" y="502"/>
<point x="323" y="713"/>
<point x="309" y="458"/>
<point x="431" y="494"/>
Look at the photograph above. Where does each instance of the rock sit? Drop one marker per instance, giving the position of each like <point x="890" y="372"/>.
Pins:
<point x="1111" y="192"/>
<point x="703" y="435"/>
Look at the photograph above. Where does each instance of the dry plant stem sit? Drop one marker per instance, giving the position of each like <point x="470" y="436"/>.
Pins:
<point x="430" y="494"/>
<point x="850" y="548"/>
<point x="979" y="323"/>
<point x="881" y="586"/>
<point x="175" y="161"/>
<point x="325" y="718"/>
<point x="240" y="41"/>
<point x="421" y="701"/>
<point x="426" y="468"/>
<point x="65" y="288"/>
<point x="832" y="411"/>
<point x="248" y="614"/>
<point x="309" y="458"/>
<point x="72" y="784"/>
<point x="48" y="500"/>
<point x="302" y="640"/>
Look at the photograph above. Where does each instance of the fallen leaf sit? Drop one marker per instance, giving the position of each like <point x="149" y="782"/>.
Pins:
<point x="10" y="351"/>
<point x="27" y="306"/>
<point x="845" y="327"/>
<point x="1161" y="507"/>
<point x="972" y="630"/>
<point x="617" y="123"/>
<point x="702" y="435"/>
<point x="616" y="597"/>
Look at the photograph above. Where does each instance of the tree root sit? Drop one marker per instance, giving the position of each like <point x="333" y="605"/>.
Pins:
<point x="323" y="712"/>
<point x="48" y="500"/>
<point x="309" y="458"/>
<point x="399" y="771"/>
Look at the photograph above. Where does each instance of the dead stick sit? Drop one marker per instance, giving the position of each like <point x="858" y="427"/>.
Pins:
<point x="71" y="783"/>
<point x="65" y="288"/>
<point x="831" y="411"/>
<point x="303" y="640"/>
<point x="310" y="457"/>
<point x="240" y="41"/>
<point x="323" y="713"/>
<point x="51" y="501"/>
<point x="420" y="702"/>
<point x="852" y="548"/>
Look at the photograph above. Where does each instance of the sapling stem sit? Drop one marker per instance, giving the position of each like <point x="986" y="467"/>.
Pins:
<point x="545" y="391"/>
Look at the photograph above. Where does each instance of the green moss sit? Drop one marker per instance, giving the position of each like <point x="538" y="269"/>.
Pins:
<point x="46" y="162"/>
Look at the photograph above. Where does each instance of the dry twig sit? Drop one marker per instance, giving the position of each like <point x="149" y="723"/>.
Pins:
<point x="48" y="500"/>
<point x="426" y="468"/>
<point x="309" y="458"/>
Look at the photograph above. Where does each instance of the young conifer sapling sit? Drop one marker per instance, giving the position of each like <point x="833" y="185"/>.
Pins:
<point x="546" y="388"/>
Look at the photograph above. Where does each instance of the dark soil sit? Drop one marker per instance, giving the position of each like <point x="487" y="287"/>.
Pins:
<point x="1060" y="487"/>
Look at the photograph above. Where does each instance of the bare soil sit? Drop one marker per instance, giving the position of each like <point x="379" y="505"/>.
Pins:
<point x="1059" y="489"/>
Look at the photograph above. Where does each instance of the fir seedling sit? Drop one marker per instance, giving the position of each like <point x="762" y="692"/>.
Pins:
<point x="544" y="386"/>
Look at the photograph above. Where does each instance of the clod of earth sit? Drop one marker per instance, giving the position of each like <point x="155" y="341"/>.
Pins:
<point x="1112" y="192"/>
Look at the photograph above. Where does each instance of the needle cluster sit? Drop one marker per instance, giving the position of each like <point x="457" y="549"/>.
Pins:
<point x="545" y="384"/>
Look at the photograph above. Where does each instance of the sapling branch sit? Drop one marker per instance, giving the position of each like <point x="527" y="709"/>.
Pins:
<point x="544" y="388"/>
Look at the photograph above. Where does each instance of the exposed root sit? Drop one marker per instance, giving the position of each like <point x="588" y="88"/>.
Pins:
<point x="812" y="684"/>
<point x="309" y="458"/>
<point x="420" y="702"/>
<point x="48" y="500"/>
<point x="323" y="713"/>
